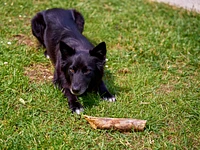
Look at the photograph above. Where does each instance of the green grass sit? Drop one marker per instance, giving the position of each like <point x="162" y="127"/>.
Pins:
<point x="153" y="69"/>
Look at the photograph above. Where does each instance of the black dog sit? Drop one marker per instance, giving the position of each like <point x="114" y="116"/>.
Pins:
<point x="79" y="66"/>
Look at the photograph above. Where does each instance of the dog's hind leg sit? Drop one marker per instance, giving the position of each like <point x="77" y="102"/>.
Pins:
<point x="105" y="94"/>
<point x="79" y="20"/>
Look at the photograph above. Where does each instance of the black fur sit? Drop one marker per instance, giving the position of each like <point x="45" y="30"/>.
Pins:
<point x="79" y="66"/>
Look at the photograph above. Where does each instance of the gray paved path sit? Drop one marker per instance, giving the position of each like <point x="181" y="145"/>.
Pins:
<point x="187" y="4"/>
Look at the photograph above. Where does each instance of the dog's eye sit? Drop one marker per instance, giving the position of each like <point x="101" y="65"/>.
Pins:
<point x="71" y="71"/>
<point x="86" y="71"/>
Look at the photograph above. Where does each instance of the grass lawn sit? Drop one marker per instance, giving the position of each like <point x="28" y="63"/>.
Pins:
<point x="153" y="69"/>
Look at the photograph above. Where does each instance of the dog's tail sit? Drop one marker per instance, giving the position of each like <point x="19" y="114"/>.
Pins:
<point x="38" y="26"/>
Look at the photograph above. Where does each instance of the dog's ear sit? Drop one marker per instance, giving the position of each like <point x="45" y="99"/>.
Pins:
<point x="66" y="50"/>
<point x="99" y="51"/>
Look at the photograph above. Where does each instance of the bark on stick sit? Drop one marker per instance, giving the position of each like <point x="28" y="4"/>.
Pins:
<point x="120" y="124"/>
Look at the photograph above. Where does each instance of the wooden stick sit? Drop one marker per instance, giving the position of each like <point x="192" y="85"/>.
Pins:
<point x="120" y="124"/>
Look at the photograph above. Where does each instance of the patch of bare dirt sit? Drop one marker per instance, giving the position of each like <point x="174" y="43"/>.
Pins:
<point x="124" y="71"/>
<point x="23" y="39"/>
<point x="165" y="89"/>
<point x="39" y="73"/>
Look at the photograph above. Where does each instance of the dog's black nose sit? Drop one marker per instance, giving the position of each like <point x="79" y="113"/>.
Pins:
<point x="76" y="89"/>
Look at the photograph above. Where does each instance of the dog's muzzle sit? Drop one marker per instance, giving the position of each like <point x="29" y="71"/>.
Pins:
<point x="77" y="90"/>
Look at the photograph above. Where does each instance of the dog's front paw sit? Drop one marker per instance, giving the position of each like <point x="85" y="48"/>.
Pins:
<point x="79" y="110"/>
<point x="109" y="97"/>
<point x="105" y="94"/>
<point x="76" y="108"/>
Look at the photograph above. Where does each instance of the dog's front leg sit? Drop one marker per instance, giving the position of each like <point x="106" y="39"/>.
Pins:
<point x="105" y="94"/>
<point x="61" y="83"/>
<point x="74" y="105"/>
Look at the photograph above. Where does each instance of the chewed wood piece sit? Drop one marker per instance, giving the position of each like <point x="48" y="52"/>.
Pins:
<point x="120" y="124"/>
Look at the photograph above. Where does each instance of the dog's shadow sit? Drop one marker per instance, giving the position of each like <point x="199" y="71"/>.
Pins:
<point x="93" y="99"/>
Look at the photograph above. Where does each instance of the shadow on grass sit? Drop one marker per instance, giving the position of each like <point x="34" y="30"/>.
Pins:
<point x="93" y="99"/>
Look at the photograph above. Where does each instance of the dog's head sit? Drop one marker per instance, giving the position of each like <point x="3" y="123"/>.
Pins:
<point x="83" y="69"/>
